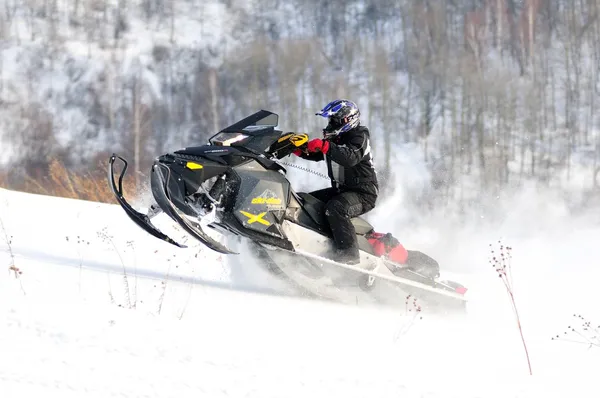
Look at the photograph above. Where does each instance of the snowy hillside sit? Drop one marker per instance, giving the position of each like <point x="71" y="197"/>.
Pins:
<point x="486" y="111"/>
<point x="93" y="307"/>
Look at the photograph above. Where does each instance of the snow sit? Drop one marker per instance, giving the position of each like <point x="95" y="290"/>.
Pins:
<point x="101" y="309"/>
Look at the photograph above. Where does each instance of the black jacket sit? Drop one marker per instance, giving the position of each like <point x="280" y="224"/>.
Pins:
<point x="349" y="161"/>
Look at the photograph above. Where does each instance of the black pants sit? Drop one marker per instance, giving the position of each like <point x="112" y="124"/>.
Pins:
<point x="340" y="207"/>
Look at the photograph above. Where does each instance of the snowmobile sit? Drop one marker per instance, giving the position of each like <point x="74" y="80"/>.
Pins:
<point x="238" y="182"/>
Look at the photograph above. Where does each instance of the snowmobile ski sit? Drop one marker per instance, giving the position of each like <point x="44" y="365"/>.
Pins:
<point x="142" y="220"/>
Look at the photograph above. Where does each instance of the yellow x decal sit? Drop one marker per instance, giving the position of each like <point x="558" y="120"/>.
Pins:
<point x="252" y="218"/>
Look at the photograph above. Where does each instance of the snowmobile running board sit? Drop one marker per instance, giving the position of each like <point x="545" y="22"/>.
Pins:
<point x="390" y="278"/>
<point x="142" y="220"/>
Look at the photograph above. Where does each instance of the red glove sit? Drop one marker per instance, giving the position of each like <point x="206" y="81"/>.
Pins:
<point x="297" y="152"/>
<point x="318" y="145"/>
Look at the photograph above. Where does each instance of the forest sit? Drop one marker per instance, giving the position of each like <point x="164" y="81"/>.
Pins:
<point x="489" y="94"/>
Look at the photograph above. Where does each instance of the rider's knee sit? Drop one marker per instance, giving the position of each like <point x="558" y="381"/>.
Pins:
<point x="335" y="207"/>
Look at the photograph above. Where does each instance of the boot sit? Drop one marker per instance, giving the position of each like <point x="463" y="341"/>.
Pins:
<point x="348" y="256"/>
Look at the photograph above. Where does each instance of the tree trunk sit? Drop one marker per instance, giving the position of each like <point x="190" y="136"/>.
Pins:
<point x="135" y="106"/>
<point x="214" y="99"/>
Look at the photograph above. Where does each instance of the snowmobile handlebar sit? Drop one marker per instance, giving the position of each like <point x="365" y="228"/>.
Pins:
<point x="287" y="144"/>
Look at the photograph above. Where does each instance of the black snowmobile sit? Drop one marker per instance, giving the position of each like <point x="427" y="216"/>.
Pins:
<point x="239" y="180"/>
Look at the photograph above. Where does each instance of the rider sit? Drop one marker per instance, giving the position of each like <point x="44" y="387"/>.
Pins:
<point x="346" y="148"/>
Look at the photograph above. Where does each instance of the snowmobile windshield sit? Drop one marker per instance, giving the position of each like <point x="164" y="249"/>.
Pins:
<point x="255" y="132"/>
<point x="227" y="138"/>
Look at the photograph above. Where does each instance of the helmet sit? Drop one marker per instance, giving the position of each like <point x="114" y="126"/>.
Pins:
<point x="343" y="116"/>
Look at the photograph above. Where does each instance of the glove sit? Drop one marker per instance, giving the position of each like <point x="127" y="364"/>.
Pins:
<point x="297" y="152"/>
<point x="318" y="145"/>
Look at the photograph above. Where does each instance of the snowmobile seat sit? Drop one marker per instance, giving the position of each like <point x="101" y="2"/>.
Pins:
<point x="361" y="226"/>
<point x="316" y="209"/>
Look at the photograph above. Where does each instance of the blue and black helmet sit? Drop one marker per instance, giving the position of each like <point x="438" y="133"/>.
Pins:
<point x="343" y="115"/>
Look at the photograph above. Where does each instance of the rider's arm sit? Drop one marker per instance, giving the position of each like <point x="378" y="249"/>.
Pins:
<point x="350" y="154"/>
<point x="314" y="156"/>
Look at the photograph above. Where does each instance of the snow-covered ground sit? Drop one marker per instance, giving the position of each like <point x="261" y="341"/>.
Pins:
<point x="94" y="307"/>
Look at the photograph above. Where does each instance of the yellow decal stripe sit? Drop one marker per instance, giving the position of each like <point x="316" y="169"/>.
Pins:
<point x="252" y="218"/>
<point x="193" y="166"/>
<point x="285" y="137"/>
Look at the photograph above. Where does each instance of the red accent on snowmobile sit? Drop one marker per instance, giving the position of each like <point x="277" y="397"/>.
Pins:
<point x="396" y="253"/>
<point x="461" y="290"/>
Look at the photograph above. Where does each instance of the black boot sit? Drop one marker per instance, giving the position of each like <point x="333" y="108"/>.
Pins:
<point x="349" y="256"/>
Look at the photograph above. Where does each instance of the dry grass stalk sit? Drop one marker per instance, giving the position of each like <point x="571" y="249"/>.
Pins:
<point x="63" y="182"/>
